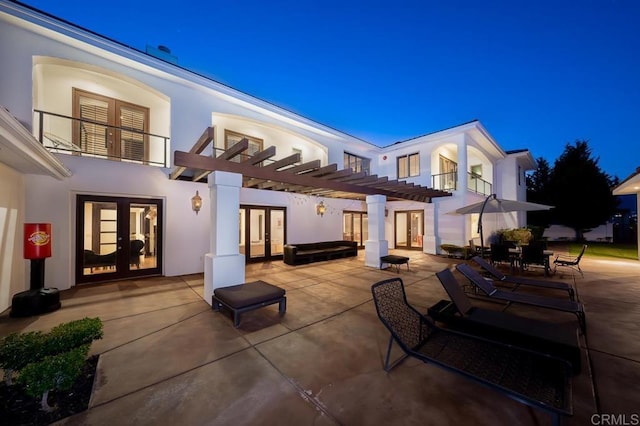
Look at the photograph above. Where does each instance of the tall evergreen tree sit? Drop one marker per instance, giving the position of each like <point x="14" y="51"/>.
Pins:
<point x="538" y="192"/>
<point x="580" y="190"/>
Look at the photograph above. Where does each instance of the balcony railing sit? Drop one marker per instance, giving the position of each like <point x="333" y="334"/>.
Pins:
<point x="445" y="181"/>
<point x="478" y="185"/>
<point x="60" y="133"/>
<point x="449" y="182"/>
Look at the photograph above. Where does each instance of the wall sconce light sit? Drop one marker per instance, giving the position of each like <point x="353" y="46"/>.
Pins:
<point x="321" y="208"/>
<point x="196" y="202"/>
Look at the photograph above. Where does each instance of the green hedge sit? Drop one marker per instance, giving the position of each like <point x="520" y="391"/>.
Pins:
<point x="18" y="350"/>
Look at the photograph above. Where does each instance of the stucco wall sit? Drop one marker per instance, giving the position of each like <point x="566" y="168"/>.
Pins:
<point x="13" y="267"/>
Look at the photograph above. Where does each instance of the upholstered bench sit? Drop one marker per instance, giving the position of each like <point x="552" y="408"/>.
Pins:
<point x="247" y="297"/>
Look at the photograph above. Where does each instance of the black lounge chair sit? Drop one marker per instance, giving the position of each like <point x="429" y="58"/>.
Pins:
<point x="558" y="340"/>
<point x="573" y="263"/>
<point x="510" y="297"/>
<point x="530" y="377"/>
<point x="500" y="278"/>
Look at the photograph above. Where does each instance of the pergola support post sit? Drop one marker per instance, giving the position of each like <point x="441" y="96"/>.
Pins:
<point x="376" y="246"/>
<point x="224" y="266"/>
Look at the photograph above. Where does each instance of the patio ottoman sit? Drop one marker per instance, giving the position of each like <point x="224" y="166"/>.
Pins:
<point x="247" y="297"/>
<point x="394" y="260"/>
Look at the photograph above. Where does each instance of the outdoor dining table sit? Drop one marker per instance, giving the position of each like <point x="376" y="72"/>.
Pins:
<point x="516" y="253"/>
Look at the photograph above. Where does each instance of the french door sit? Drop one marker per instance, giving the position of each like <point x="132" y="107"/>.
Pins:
<point x="409" y="229"/>
<point x="355" y="227"/>
<point x="117" y="238"/>
<point x="110" y="127"/>
<point x="262" y="232"/>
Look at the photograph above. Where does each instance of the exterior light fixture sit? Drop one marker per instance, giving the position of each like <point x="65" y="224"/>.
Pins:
<point x="321" y="208"/>
<point x="196" y="202"/>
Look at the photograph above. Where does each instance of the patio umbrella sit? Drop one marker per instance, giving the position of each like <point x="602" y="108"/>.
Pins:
<point x="493" y="204"/>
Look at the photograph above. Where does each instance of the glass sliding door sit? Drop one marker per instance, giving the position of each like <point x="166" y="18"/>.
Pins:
<point x="409" y="229"/>
<point x="117" y="238"/>
<point x="262" y="232"/>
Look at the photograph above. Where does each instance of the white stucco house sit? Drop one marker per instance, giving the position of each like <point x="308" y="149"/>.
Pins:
<point x="630" y="186"/>
<point x="90" y="130"/>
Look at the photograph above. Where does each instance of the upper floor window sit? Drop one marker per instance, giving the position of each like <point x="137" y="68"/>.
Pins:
<point x="356" y="164"/>
<point x="409" y="165"/>
<point x="476" y="171"/>
<point x="231" y="138"/>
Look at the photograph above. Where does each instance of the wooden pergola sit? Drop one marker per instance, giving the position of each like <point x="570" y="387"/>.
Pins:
<point x="288" y="175"/>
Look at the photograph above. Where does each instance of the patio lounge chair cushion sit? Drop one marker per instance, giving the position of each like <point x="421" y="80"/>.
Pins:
<point x="510" y="297"/>
<point x="555" y="339"/>
<point x="532" y="378"/>
<point x="499" y="277"/>
<point x="249" y="296"/>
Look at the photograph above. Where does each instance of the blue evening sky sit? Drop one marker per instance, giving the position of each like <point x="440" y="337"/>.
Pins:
<point x="538" y="74"/>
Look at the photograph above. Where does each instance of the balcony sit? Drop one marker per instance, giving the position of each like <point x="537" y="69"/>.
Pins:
<point x="449" y="182"/>
<point x="478" y="185"/>
<point x="60" y="133"/>
<point x="445" y="181"/>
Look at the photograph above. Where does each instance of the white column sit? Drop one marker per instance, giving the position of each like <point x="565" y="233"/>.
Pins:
<point x="430" y="240"/>
<point x="376" y="246"/>
<point x="224" y="266"/>
<point x="638" y="227"/>
<point x="462" y="164"/>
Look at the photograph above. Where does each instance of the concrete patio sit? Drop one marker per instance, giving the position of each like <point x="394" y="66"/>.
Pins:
<point x="167" y="358"/>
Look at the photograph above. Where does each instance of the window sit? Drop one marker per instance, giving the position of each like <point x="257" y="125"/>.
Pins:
<point x="409" y="165"/>
<point x="356" y="164"/>
<point x="519" y="175"/>
<point x="231" y="138"/>
<point x="110" y="127"/>
<point x="476" y="171"/>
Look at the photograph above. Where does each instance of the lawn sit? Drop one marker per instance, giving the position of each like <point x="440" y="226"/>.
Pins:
<point x="620" y="251"/>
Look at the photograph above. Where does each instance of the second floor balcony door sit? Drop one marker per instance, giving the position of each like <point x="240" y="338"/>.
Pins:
<point x="110" y="127"/>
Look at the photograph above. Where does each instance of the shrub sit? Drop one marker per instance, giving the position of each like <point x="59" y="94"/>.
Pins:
<point x="519" y="235"/>
<point x="19" y="349"/>
<point x="53" y="372"/>
<point x="72" y="334"/>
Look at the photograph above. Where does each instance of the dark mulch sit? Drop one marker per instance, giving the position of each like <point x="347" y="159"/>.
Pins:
<point x="18" y="408"/>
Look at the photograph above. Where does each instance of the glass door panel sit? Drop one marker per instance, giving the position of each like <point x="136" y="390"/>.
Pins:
<point x="143" y="238"/>
<point x="347" y="226"/>
<point x="257" y="233"/>
<point x="402" y="230"/>
<point x="416" y="229"/>
<point x="99" y="238"/>
<point x="276" y="235"/>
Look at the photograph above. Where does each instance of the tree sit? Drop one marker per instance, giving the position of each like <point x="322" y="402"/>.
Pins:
<point x="579" y="190"/>
<point x="538" y="192"/>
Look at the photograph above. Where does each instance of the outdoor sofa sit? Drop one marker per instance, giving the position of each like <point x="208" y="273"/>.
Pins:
<point x="296" y="254"/>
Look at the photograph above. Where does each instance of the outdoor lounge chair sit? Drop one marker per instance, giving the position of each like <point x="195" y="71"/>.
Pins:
<point x="559" y="340"/>
<point x="535" y="379"/>
<point x="573" y="263"/>
<point x="500" y="278"/>
<point x="510" y="297"/>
